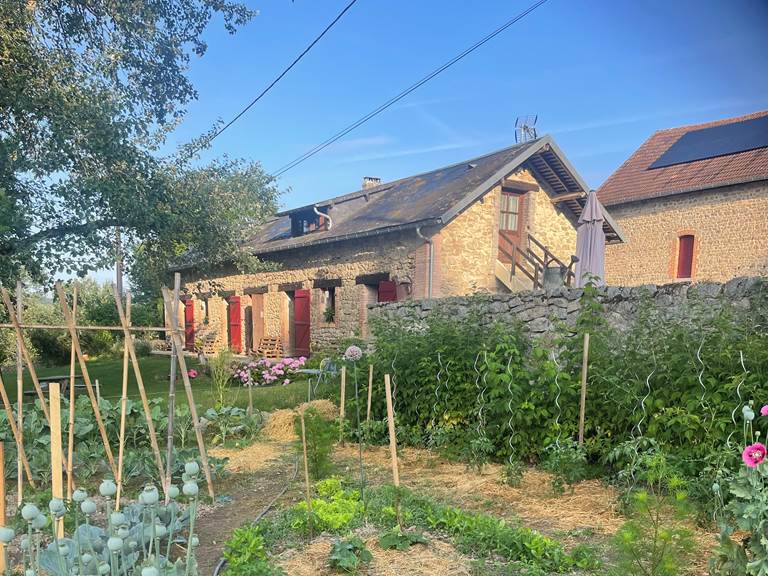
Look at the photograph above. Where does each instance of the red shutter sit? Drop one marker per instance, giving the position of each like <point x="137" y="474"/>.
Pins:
<point x="301" y="323"/>
<point x="189" y="324"/>
<point x="235" y="332"/>
<point x="387" y="291"/>
<point x="685" y="257"/>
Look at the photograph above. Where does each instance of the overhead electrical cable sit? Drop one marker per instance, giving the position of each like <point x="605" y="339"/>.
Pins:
<point x="283" y="73"/>
<point x="404" y="93"/>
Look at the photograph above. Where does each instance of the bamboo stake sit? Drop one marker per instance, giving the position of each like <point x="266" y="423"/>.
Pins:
<point x="393" y="444"/>
<point x="190" y="398"/>
<point x="15" y="431"/>
<point x="19" y="396"/>
<point x="123" y="407"/>
<point x="71" y="431"/>
<point x="583" y="403"/>
<point x="306" y="473"/>
<point x="172" y="387"/>
<point x="57" y="477"/>
<point x="86" y="376"/>
<point x="370" y="392"/>
<point x="342" y="403"/>
<point x="25" y="354"/>
<point x="142" y="391"/>
<point x="2" y="500"/>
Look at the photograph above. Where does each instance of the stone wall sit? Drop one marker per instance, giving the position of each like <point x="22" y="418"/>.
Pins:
<point x="729" y="225"/>
<point x="540" y="311"/>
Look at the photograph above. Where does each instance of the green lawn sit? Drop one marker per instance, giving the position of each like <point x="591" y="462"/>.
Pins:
<point x="155" y="371"/>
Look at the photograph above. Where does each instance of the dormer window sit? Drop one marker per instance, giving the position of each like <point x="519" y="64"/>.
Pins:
<point x="308" y="221"/>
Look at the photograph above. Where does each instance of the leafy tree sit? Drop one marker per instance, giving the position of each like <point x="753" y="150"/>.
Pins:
<point x="90" y="90"/>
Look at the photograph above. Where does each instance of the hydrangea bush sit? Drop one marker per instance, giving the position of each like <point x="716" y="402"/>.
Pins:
<point x="266" y="372"/>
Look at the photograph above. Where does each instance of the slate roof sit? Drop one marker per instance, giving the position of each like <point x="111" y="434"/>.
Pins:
<point x="634" y="181"/>
<point x="432" y="198"/>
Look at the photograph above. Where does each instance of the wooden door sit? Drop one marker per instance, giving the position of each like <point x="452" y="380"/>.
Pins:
<point x="301" y="323"/>
<point x="685" y="257"/>
<point x="234" y="327"/>
<point x="248" y="329"/>
<point x="511" y="224"/>
<point x="189" y="324"/>
<point x="387" y="291"/>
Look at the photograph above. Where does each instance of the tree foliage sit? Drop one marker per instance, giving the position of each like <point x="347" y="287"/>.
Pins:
<point x="90" y="90"/>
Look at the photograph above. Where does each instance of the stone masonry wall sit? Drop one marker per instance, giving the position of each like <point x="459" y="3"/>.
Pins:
<point x="729" y="225"/>
<point x="540" y="311"/>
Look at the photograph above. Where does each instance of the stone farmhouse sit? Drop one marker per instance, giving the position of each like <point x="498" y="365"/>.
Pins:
<point x="693" y="202"/>
<point x="498" y="223"/>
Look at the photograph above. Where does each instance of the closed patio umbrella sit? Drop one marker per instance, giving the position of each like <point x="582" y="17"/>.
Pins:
<point x="590" y="267"/>
<point x="590" y="243"/>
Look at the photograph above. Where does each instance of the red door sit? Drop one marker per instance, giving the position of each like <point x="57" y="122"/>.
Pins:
<point x="685" y="257"/>
<point x="234" y="325"/>
<point x="511" y="224"/>
<point x="189" y="324"/>
<point x="301" y="322"/>
<point x="387" y="291"/>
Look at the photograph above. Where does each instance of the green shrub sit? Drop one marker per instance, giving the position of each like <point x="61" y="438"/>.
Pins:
<point x="349" y="555"/>
<point x="143" y="348"/>
<point x="567" y="462"/>
<point x="512" y="473"/>
<point x="320" y="435"/>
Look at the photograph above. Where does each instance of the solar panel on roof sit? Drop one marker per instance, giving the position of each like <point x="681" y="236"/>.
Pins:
<point x="716" y="141"/>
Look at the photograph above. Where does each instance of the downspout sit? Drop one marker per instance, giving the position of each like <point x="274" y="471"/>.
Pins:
<point x="323" y="215"/>
<point x="431" y="259"/>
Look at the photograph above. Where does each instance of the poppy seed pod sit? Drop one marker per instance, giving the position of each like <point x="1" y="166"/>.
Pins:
<point x="39" y="522"/>
<point x="6" y="534"/>
<point x="103" y="568"/>
<point x="79" y="495"/>
<point x="115" y="544"/>
<point x="123" y="531"/>
<point x="86" y="558"/>
<point x="150" y="494"/>
<point x="29" y="512"/>
<point x="173" y="491"/>
<point x="117" y="518"/>
<point x="191" y="468"/>
<point x="107" y="488"/>
<point x="56" y="506"/>
<point x="29" y="572"/>
<point x="88" y="506"/>
<point x="190" y="489"/>
<point x="149" y="571"/>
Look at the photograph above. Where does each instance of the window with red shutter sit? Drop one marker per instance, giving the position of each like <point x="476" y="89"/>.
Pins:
<point x="189" y="324"/>
<point x="234" y="325"/>
<point x="387" y="291"/>
<point x="685" y="256"/>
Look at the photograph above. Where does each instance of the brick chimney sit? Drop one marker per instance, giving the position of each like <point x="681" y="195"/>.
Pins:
<point x="370" y="182"/>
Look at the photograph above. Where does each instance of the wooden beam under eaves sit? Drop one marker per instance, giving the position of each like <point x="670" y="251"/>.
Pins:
<point x="519" y="185"/>
<point x="565" y="197"/>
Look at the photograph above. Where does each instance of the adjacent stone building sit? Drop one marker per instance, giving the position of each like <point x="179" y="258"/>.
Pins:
<point x="493" y="224"/>
<point x="693" y="203"/>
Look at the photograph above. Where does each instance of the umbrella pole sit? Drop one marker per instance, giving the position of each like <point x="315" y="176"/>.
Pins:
<point x="583" y="403"/>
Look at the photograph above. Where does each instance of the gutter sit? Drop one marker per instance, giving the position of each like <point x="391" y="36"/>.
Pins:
<point x="431" y="260"/>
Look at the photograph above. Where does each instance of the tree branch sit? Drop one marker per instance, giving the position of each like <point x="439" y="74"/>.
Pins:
<point x="57" y="232"/>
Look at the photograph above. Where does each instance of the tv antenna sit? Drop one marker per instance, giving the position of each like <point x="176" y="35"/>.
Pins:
<point x="525" y="128"/>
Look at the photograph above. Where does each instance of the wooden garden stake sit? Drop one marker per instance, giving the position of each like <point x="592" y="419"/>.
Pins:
<point x="190" y="397"/>
<point x="25" y="353"/>
<point x="393" y="444"/>
<point x="2" y="500"/>
<point x="123" y="408"/>
<point x="15" y="431"/>
<point x="370" y="392"/>
<point x="71" y="431"/>
<point x="128" y="342"/>
<point x="342" y="403"/>
<point x="306" y="474"/>
<point x="172" y="386"/>
<point x="583" y="403"/>
<point x="19" y="396"/>
<point x="86" y="376"/>
<point x="57" y="477"/>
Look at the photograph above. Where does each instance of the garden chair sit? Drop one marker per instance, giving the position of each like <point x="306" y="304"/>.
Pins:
<point x="326" y="370"/>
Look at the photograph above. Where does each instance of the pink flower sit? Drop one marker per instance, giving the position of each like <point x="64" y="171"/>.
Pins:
<point x="192" y="373"/>
<point x="286" y="382"/>
<point x="353" y="354"/>
<point x="754" y="454"/>
<point x="764" y="410"/>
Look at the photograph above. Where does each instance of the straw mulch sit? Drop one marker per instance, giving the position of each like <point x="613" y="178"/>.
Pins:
<point x="251" y="458"/>
<point x="591" y="505"/>
<point x="279" y="426"/>
<point x="437" y="558"/>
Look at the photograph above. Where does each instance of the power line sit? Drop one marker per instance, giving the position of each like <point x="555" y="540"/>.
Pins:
<point x="407" y="91"/>
<point x="283" y="73"/>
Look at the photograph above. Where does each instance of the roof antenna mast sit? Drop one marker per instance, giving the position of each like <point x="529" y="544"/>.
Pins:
<point x="525" y="128"/>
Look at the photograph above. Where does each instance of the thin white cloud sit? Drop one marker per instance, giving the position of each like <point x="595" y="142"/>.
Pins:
<point x="404" y="152"/>
<point x="353" y="144"/>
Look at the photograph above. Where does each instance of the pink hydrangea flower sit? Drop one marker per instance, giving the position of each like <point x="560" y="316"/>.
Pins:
<point x="754" y="454"/>
<point x="286" y="382"/>
<point x="764" y="410"/>
<point x="192" y="373"/>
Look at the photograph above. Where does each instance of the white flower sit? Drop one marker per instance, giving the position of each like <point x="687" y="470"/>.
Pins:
<point x="353" y="354"/>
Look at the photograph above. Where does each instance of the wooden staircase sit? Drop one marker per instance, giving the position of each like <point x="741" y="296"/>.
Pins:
<point x="524" y="268"/>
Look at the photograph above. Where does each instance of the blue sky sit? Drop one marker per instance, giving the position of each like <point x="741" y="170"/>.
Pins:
<point x="601" y="75"/>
